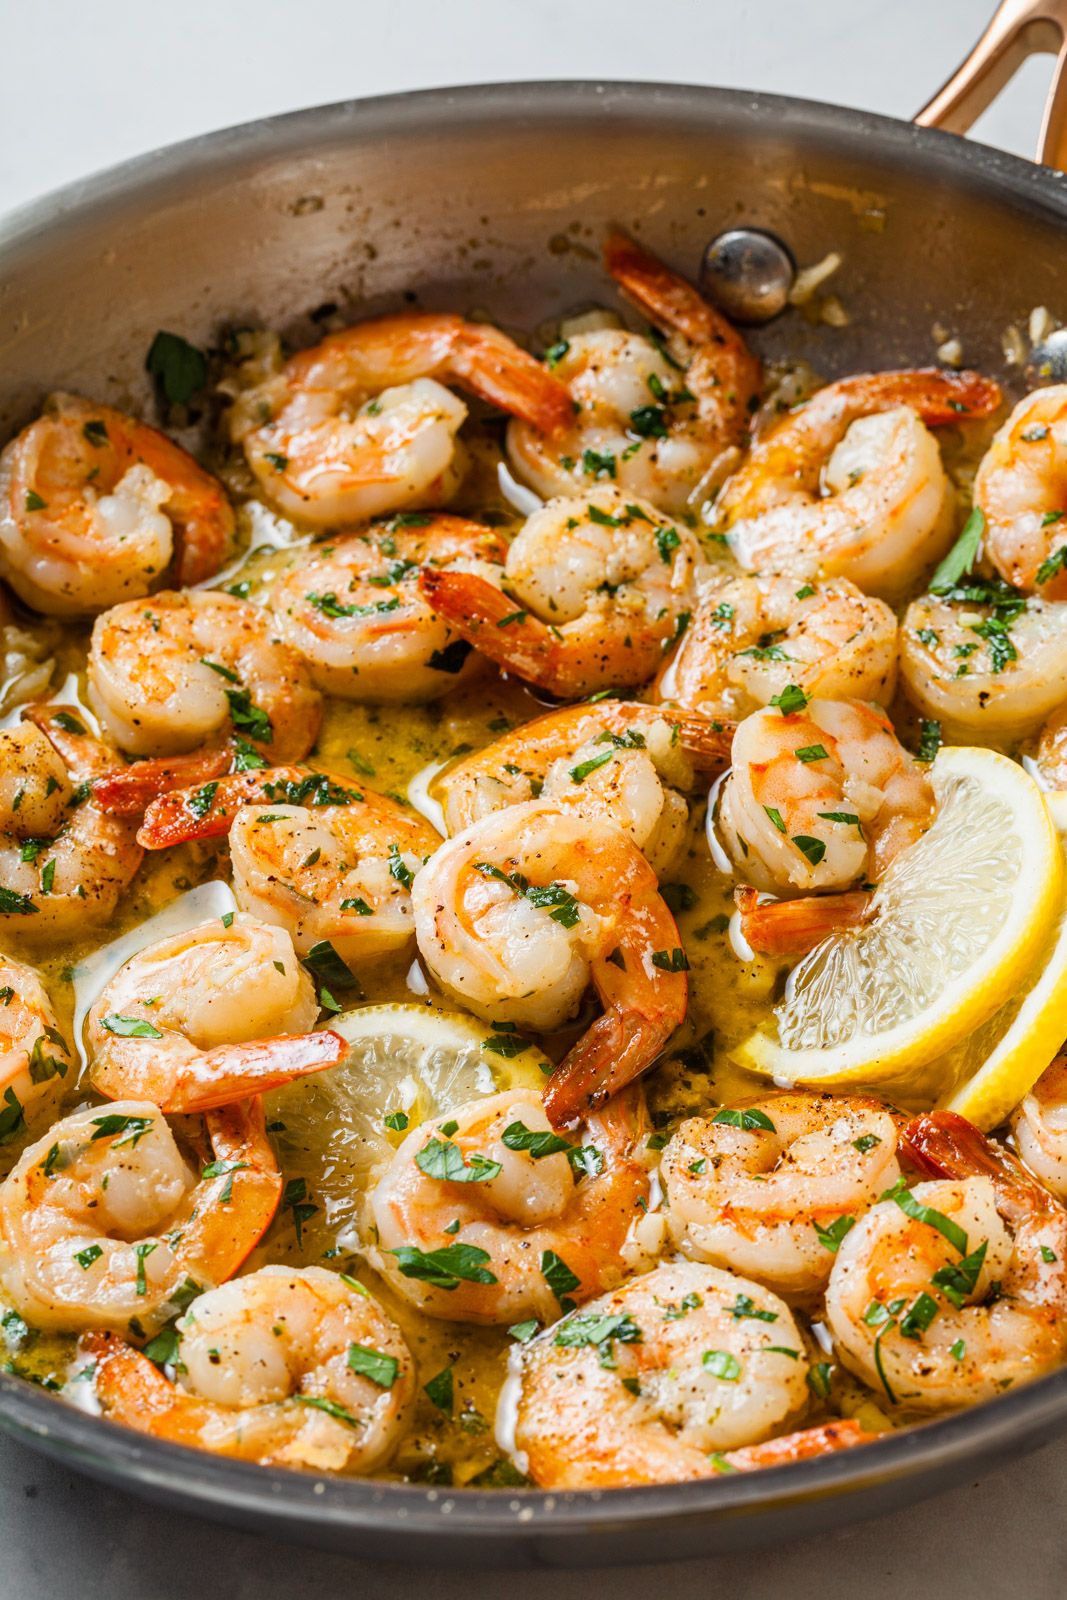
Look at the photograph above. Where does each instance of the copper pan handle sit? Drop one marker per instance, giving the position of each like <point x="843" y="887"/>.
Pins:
<point x="1019" y="29"/>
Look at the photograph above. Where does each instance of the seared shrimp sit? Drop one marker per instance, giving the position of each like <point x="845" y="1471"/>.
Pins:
<point x="851" y="484"/>
<point x="289" y="1366"/>
<point x="751" y="637"/>
<point x="104" y="1220"/>
<point x="771" y="1190"/>
<point x="529" y="1221"/>
<point x="362" y="424"/>
<point x="662" y="418"/>
<point x="952" y="1291"/>
<point x="1021" y="489"/>
<point x="208" y="1017"/>
<point x="34" y="1056"/>
<point x="1040" y="1128"/>
<point x="594" y="591"/>
<point x="651" y="1383"/>
<point x="180" y="670"/>
<point x="310" y="855"/>
<point x="95" y="506"/>
<point x="618" y="759"/>
<point x="518" y="913"/>
<point x="820" y="797"/>
<point x="64" y="862"/>
<point x="356" y="615"/>
<point x="989" y="664"/>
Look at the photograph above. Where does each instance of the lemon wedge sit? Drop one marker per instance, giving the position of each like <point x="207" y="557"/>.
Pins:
<point x="961" y="920"/>
<point x="991" y="1071"/>
<point x="405" y="1063"/>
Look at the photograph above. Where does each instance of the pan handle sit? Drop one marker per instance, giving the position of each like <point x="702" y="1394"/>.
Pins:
<point x="1020" y="28"/>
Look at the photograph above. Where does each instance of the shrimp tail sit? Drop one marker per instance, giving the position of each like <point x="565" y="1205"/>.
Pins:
<point x="707" y="741"/>
<point x="181" y="815"/>
<point x="939" y="396"/>
<point x="942" y="1144"/>
<point x="496" y="626"/>
<point x="128" y="791"/>
<point x="616" y="1050"/>
<point x="132" y="1391"/>
<point x="500" y="371"/>
<point x="793" y="927"/>
<point x="217" y="1077"/>
<point x="239" y="1201"/>
<point x="86" y="757"/>
<point x="808" y="1443"/>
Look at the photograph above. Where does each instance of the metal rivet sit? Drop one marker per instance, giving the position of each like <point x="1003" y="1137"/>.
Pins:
<point x="1047" y="362"/>
<point x="748" y="273"/>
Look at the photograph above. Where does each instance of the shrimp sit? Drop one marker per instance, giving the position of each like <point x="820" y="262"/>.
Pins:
<point x="323" y="861"/>
<point x="34" y="1056"/>
<point x="850" y="484"/>
<point x="793" y="927"/>
<point x="769" y="1191"/>
<point x="987" y="663"/>
<point x="362" y="424"/>
<point x="516" y="914"/>
<point x="595" y="589"/>
<point x="751" y="637"/>
<point x="176" y="673"/>
<point x="356" y="615"/>
<point x="103" y="1220"/>
<point x="650" y="1384"/>
<point x="1021" y="490"/>
<point x="949" y="1292"/>
<point x="1040" y="1128"/>
<point x="95" y="506"/>
<point x="619" y="760"/>
<point x="490" y="1217"/>
<point x="207" y="1017"/>
<point x="289" y="1366"/>
<point x="64" y="862"/>
<point x="663" y="419"/>
<point x="820" y="797"/>
<point x="1050" y="758"/>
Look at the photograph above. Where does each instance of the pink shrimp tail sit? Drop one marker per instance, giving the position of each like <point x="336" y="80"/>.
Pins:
<point x="793" y="927"/>
<point x="129" y="791"/>
<point x="218" y="1077"/>
<point x="618" y="1048"/>
<point x="802" y="1446"/>
<point x="501" y="372"/>
<point x="493" y="623"/>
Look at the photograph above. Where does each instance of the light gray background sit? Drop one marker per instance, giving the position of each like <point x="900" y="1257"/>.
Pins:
<point x="88" y="82"/>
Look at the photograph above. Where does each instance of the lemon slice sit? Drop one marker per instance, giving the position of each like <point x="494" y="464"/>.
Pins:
<point x="960" y="920"/>
<point x="406" y="1063"/>
<point x="991" y="1071"/>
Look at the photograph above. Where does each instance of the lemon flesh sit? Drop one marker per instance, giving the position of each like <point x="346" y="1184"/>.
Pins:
<point x="960" y="920"/>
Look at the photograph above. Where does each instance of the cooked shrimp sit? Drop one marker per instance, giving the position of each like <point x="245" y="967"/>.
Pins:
<point x="516" y="914"/>
<point x="851" y="484"/>
<point x="356" y="615"/>
<point x="64" y="862"/>
<point x="662" y="418"/>
<point x="769" y="1191"/>
<point x="289" y="1366"/>
<point x="751" y="637"/>
<point x="594" y="591"/>
<point x="1021" y="489"/>
<point x="1051" y="756"/>
<point x="989" y="664"/>
<point x="651" y="1383"/>
<point x="34" y="1056"/>
<point x="617" y="759"/>
<point x="104" y="1220"/>
<point x="1040" y="1128"/>
<point x="176" y="672"/>
<point x="208" y="1017"/>
<point x="820" y="797"/>
<point x="322" y="861"/>
<point x="529" y="1221"/>
<point x="95" y="506"/>
<point x="950" y="1292"/>
<point x="842" y="1434"/>
<point x="362" y="424"/>
<point x="793" y="927"/>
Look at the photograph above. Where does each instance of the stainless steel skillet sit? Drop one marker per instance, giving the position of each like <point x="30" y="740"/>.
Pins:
<point x="495" y="198"/>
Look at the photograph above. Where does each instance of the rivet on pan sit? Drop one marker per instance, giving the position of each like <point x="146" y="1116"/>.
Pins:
<point x="1048" y="360"/>
<point x="748" y="273"/>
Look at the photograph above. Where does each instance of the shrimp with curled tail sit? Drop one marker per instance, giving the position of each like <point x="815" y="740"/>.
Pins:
<point x="1040" y="1127"/>
<point x="493" y="1184"/>
<point x="594" y="591"/>
<point x="663" y="418"/>
<point x="34" y="1056"/>
<point x="519" y="912"/>
<point x="851" y="484"/>
<point x="207" y="1017"/>
<point x="1021" y="490"/>
<point x="289" y="1366"/>
<point x="365" y="423"/>
<point x="953" y="1290"/>
<point x="96" y="507"/>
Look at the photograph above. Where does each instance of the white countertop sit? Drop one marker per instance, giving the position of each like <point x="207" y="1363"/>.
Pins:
<point x="86" y="85"/>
